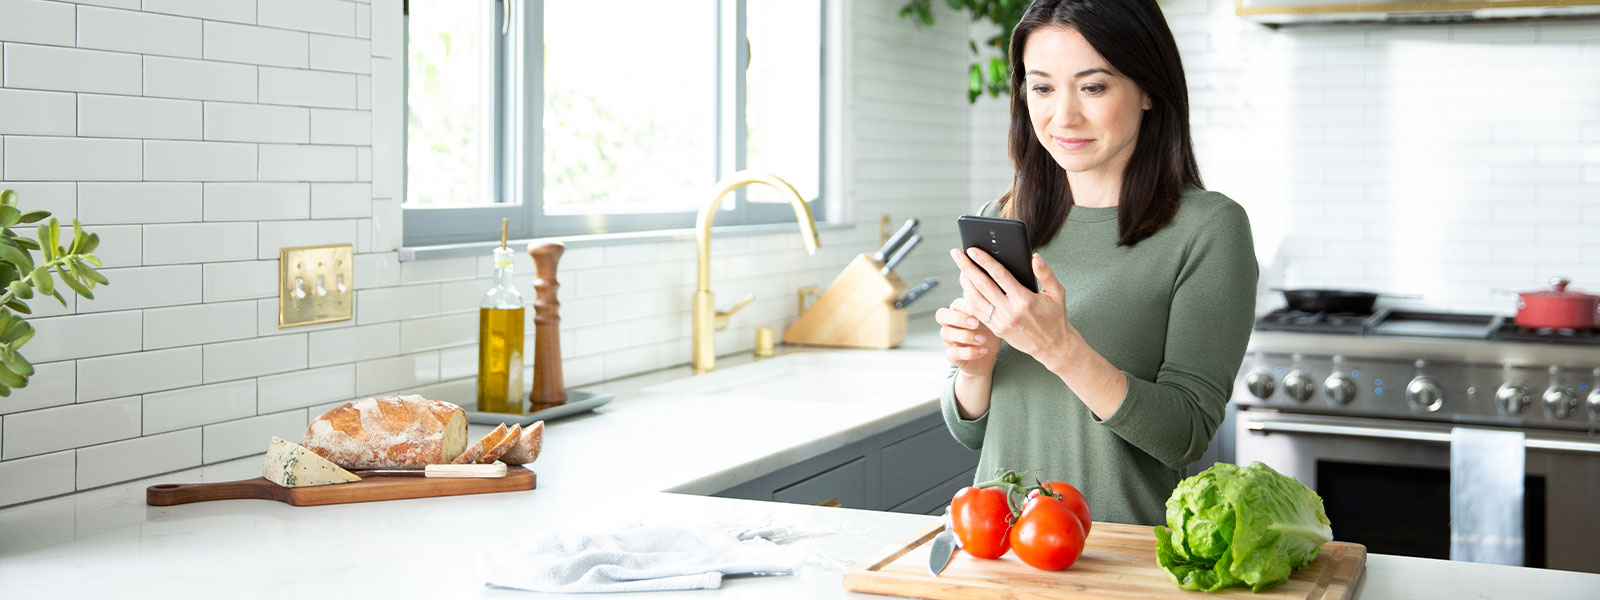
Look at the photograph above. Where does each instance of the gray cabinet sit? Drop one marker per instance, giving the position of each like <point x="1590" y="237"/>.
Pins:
<point x="913" y="468"/>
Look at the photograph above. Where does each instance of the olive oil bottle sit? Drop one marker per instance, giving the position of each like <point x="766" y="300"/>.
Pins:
<point x="500" y="327"/>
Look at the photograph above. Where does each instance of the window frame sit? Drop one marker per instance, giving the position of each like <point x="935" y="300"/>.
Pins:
<point x="519" y="110"/>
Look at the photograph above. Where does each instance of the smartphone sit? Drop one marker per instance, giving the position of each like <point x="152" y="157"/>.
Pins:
<point x="1004" y="239"/>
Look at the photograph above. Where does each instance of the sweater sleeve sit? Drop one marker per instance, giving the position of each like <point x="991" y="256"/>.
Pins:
<point x="968" y="433"/>
<point x="1213" y="307"/>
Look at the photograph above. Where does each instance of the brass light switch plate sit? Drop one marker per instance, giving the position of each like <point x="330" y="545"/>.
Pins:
<point x="316" y="284"/>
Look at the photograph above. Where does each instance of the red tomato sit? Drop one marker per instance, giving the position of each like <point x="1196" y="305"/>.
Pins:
<point x="981" y="518"/>
<point x="1048" y="535"/>
<point x="1073" y="500"/>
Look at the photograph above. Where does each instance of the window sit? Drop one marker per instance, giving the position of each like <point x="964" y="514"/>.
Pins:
<point x="588" y="117"/>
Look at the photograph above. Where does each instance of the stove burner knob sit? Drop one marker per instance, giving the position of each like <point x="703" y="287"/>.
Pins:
<point x="1559" y="401"/>
<point x="1261" y="384"/>
<point x="1340" y="388"/>
<point x="1298" y="385"/>
<point x="1424" y="394"/>
<point x="1594" y="405"/>
<point x="1512" y="399"/>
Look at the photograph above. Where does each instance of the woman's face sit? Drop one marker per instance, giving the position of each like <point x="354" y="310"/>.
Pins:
<point x="1084" y="112"/>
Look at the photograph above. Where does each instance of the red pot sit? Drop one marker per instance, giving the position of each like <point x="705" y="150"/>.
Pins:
<point x="1557" y="308"/>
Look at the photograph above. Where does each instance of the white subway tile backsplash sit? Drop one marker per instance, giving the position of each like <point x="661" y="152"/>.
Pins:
<point x="131" y="117"/>
<point x="124" y="374"/>
<point x="255" y="45"/>
<point x="65" y="427"/>
<point x="387" y="222"/>
<point x="393" y="304"/>
<point x="433" y="333"/>
<point x="287" y="234"/>
<point x="239" y="11"/>
<point x="245" y="437"/>
<point x="397" y="373"/>
<point x="199" y="324"/>
<point x="185" y="243"/>
<point x="257" y="202"/>
<point x="130" y="4"/>
<point x="377" y="270"/>
<point x="199" y="161"/>
<point x="352" y="344"/>
<point x="364" y="92"/>
<point x="462" y="361"/>
<point x="349" y="127"/>
<point x="60" y="199"/>
<point x="307" y="88"/>
<point x="267" y="321"/>
<point x="82" y="336"/>
<point x="198" y="80"/>
<point x="232" y="122"/>
<point x="200" y="405"/>
<point x="340" y="200"/>
<point x="145" y="287"/>
<point x="441" y="269"/>
<point x="72" y="159"/>
<point x="36" y="22"/>
<point x="119" y="461"/>
<point x="37" y="477"/>
<point x="387" y="27"/>
<point x="37" y="113"/>
<point x="52" y="384"/>
<point x="241" y="280"/>
<point x="364" y="164"/>
<point x="363" y="21"/>
<point x="335" y="53"/>
<point x="305" y="388"/>
<point x="307" y="163"/>
<point x="323" y="16"/>
<point x="251" y="358"/>
<point x="138" y="32"/>
<point x="107" y="203"/>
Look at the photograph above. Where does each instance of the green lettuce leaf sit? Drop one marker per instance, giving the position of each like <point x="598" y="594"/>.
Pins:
<point x="1231" y="526"/>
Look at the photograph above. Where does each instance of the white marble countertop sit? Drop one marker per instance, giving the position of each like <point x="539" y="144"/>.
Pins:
<point x="601" y="470"/>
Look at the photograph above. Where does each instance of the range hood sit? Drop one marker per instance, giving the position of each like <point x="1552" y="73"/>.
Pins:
<point x="1296" y="12"/>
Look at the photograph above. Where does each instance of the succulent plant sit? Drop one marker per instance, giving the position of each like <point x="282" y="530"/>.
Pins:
<point x="20" y="276"/>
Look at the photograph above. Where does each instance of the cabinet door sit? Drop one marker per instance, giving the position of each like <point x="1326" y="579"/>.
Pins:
<point x="936" y="499"/>
<point x="917" y="463"/>
<point x="845" y="485"/>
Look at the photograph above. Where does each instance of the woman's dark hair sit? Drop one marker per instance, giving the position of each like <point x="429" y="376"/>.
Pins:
<point x="1133" y="36"/>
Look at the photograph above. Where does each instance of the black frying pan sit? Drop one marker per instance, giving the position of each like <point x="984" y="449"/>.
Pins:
<point x="1331" y="301"/>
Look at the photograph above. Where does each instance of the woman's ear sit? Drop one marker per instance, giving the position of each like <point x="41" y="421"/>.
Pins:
<point x="1147" y="105"/>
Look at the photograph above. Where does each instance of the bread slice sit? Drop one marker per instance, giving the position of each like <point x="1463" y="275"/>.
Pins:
<point x="493" y="451"/>
<point x="526" y="449"/>
<point x="475" y="453"/>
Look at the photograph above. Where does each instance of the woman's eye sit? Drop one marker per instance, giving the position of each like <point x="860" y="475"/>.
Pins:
<point x="1093" y="89"/>
<point x="1041" y="89"/>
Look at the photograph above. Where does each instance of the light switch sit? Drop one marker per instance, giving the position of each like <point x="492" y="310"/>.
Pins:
<point x="315" y="285"/>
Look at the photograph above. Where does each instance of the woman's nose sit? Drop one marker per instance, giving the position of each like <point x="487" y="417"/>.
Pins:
<point x="1065" y="110"/>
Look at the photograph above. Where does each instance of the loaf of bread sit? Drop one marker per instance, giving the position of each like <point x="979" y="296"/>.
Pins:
<point x="389" y="432"/>
<point x="526" y="448"/>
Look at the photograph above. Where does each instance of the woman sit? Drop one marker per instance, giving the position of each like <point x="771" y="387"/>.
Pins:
<point x="1114" y="376"/>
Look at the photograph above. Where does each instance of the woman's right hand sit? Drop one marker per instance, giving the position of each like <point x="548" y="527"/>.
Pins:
<point x="968" y="343"/>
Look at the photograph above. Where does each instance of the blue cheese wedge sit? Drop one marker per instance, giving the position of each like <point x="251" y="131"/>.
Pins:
<point x="292" y="465"/>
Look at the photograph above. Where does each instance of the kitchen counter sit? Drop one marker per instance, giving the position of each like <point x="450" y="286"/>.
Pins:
<point x="607" y="469"/>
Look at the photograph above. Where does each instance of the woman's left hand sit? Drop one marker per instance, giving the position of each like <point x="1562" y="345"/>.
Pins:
<point x="1032" y="323"/>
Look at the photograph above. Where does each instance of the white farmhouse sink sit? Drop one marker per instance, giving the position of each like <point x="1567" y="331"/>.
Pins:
<point x="842" y="377"/>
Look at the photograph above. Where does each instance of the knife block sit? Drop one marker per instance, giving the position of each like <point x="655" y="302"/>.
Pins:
<point x="857" y="311"/>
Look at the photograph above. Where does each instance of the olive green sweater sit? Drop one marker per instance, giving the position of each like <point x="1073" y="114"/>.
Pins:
<point x="1173" y="313"/>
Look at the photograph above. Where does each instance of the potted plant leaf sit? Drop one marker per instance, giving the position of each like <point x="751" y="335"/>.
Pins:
<point x="994" y="74"/>
<point x="20" y="276"/>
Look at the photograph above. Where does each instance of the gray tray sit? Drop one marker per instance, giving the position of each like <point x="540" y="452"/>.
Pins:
<point x="577" y="401"/>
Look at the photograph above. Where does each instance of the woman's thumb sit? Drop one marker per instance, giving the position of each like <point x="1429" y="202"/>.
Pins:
<point x="1046" y="276"/>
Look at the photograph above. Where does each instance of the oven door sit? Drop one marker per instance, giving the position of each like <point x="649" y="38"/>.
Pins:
<point x="1386" y="483"/>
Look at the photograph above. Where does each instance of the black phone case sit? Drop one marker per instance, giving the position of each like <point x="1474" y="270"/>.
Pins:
<point x="1004" y="239"/>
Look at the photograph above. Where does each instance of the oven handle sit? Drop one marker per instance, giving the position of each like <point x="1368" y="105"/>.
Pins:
<point x="1415" y="435"/>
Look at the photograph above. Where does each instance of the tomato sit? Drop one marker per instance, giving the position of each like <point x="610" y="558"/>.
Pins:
<point x="981" y="518"/>
<point x="1073" y="500"/>
<point x="1048" y="535"/>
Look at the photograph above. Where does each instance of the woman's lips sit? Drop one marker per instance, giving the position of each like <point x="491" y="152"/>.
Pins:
<point x="1073" y="143"/>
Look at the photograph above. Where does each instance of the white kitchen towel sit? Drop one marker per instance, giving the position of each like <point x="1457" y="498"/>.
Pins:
<point x="639" y="559"/>
<point x="1486" y="491"/>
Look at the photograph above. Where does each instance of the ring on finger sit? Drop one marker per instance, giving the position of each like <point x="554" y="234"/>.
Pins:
<point x="991" y="315"/>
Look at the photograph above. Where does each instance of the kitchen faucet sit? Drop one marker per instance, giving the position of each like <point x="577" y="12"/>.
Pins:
<point x="707" y="319"/>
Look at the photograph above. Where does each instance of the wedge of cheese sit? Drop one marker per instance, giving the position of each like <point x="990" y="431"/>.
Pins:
<point x="292" y="465"/>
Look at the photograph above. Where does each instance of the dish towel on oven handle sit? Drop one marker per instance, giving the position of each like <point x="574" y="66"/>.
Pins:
<point x="1486" y="495"/>
<point x="639" y="559"/>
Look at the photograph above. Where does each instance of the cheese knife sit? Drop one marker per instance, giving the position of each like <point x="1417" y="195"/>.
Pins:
<point x="489" y="471"/>
<point x="900" y="254"/>
<point x="911" y="295"/>
<point x="894" y="241"/>
<point x="943" y="548"/>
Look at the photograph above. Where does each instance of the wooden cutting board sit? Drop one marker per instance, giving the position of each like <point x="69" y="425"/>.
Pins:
<point x="1118" y="561"/>
<point x="370" y="488"/>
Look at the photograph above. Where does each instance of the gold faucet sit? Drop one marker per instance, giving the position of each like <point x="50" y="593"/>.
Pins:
<point x="707" y="319"/>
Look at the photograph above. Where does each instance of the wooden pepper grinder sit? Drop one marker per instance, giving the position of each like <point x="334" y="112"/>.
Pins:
<point x="549" y="390"/>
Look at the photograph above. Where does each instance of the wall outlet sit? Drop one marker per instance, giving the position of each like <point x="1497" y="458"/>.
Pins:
<point x="316" y="284"/>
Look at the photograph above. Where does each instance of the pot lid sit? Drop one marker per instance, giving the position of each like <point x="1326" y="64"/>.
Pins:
<point x="1559" y="291"/>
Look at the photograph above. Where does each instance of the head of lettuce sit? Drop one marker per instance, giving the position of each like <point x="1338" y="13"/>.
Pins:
<point x="1232" y="525"/>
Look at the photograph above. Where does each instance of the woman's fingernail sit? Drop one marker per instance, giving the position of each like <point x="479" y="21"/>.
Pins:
<point x="972" y="322"/>
<point x="978" y="338"/>
<point x="983" y="351"/>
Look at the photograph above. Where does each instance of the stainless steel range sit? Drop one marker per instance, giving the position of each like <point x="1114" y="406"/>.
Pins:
<point x="1361" y="408"/>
